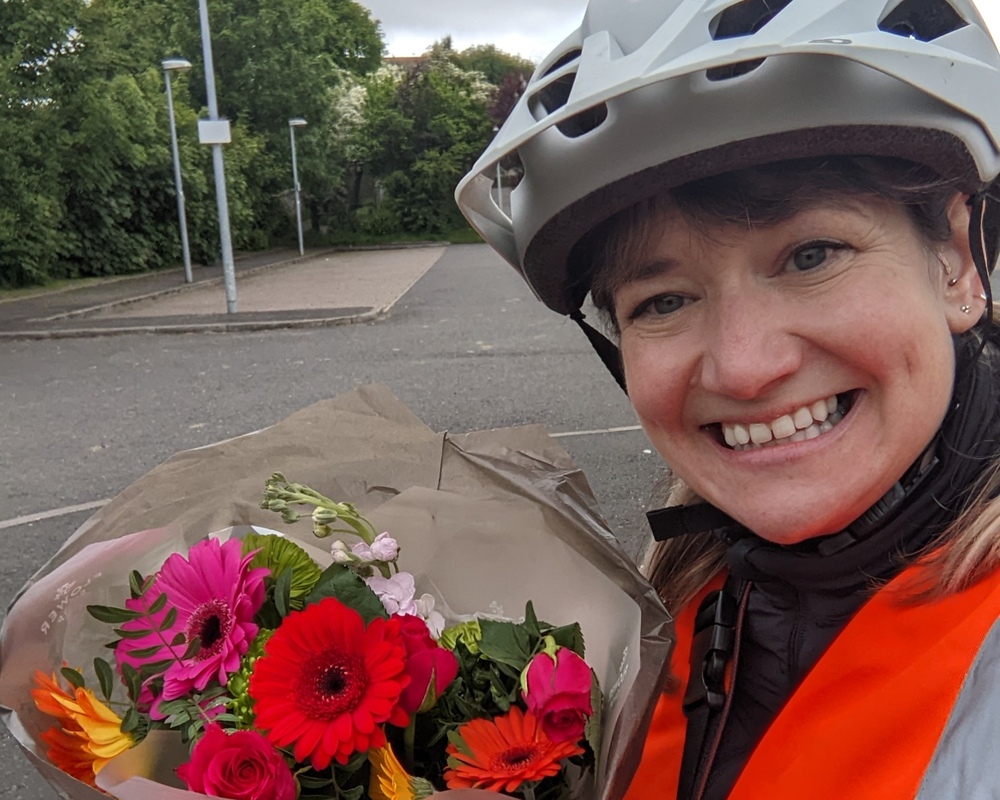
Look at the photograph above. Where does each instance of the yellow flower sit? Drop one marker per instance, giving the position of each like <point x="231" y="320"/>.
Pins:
<point x="90" y="733"/>
<point x="389" y="781"/>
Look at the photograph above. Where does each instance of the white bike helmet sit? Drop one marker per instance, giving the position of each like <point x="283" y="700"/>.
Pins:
<point x="650" y="94"/>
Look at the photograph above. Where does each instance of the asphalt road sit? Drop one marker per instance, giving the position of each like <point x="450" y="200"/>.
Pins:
<point x="466" y="348"/>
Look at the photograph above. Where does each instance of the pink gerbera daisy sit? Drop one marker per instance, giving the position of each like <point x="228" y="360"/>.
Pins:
<point x="216" y="596"/>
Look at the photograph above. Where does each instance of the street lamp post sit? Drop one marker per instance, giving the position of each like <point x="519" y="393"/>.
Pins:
<point x="216" y="140"/>
<point x="297" y="122"/>
<point x="178" y="65"/>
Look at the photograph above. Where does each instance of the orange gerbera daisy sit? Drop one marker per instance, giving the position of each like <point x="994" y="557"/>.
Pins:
<point x="326" y="683"/>
<point x="500" y="754"/>
<point x="390" y="781"/>
<point x="89" y="733"/>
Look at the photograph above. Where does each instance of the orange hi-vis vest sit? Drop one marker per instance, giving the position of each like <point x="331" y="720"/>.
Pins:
<point x="904" y="704"/>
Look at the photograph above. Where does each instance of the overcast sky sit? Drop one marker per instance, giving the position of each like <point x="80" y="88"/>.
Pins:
<point x="530" y="28"/>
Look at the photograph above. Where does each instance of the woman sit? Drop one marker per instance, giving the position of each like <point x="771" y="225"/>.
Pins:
<point x="786" y="212"/>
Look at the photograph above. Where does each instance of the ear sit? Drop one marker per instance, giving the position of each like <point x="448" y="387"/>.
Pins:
<point x="963" y="291"/>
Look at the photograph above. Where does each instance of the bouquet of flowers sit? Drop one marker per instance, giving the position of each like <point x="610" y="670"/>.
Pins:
<point x="404" y="660"/>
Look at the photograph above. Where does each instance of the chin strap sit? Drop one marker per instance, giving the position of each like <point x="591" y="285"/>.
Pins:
<point x="604" y="347"/>
<point x="984" y="211"/>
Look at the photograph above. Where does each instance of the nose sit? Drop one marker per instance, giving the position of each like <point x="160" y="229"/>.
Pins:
<point x="749" y="347"/>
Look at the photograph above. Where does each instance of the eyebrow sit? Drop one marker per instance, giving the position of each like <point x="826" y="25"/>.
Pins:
<point x="649" y="269"/>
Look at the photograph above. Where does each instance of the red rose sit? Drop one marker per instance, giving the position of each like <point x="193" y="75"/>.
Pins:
<point x="558" y="693"/>
<point x="238" y="766"/>
<point x="426" y="660"/>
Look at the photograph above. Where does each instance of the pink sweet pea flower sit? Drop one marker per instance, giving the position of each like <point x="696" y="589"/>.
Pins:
<point x="240" y="766"/>
<point x="557" y="691"/>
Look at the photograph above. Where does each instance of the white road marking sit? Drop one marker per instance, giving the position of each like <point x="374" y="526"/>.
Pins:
<point x="62" y="512"/>
<point x="625" y="429"/>
<point x="56" y="512"/>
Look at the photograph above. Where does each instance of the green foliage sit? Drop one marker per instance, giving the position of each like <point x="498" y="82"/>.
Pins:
<point x="493" y="63"/>
<point x="340" y="582"/>
<point x="86" y="164"/>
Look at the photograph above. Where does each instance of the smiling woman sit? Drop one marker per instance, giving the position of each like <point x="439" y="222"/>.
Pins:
<point x="788" y="222"/>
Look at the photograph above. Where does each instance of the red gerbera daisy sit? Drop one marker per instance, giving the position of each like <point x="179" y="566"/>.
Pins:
<point x="326" y="683"/>
<point x="500" y="754"/>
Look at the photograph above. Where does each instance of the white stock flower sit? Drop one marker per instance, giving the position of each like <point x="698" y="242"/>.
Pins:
<point x="396" y="593"/>
<point x="425" y="610"/>
<point x="385" y="548"/>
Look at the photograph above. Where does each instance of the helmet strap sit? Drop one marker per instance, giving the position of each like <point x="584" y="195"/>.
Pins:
<point x="604" y="347"/>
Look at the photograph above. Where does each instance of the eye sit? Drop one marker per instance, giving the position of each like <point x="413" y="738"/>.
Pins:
<point x="812" y="255"/>
<point x="661" y="305"/>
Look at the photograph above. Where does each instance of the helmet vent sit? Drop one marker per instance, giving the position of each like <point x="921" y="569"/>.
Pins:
<point x="728" y="71"/>
<point x="584" y="122"/>
<point x="745" y="18"/>
<point x="563" y="60"/>
<point x="553" y="96"/>
<point x="925" y="20"/>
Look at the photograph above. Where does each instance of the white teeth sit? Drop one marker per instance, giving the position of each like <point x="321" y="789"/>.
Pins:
<point x="804" y="418"/>
<point x="783" y="427"/>
<point x="807" y="422"/>
<point x="760" y="433"/>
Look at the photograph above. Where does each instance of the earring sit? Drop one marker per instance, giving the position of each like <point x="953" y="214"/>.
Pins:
<point x="952" y="281"/>
<point x="966" y="309"/>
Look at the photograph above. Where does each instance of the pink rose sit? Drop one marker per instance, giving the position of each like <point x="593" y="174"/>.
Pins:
<point x="426" y="660"/>
<point x="238" y="766"/>
<point x="558" y="693"/>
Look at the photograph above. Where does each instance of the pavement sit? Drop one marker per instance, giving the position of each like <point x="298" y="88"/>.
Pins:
<point x="274" y="289"/>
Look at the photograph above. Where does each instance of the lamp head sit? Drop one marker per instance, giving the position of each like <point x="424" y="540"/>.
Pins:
<point x="297" y="122"/>
<point x="176" y="65"/>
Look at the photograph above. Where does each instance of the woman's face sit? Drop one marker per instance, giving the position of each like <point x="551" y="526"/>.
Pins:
<point x="790" y="374"/>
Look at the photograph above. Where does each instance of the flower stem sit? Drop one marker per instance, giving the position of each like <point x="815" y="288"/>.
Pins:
<point x="409" y="742"/>
<point x="529" y="792"/>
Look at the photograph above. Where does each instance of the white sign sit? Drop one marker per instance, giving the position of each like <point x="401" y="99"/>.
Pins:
<point x="214" y="131"/>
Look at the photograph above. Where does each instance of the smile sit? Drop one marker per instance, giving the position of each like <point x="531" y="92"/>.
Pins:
<point x="808" y="422"/>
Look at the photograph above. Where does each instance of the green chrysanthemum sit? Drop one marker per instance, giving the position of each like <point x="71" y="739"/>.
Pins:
<point x="468" y="633"/>
<point x="279" y="554"/>
<point x="242" y="703"/>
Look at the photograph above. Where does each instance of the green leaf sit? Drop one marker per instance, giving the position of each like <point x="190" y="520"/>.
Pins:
<point x="340" y="582"/>
<point x="283" y="592"/>
<point x="146" y="652"/>
<point x="133" y="681"/>
<point x="192" y="649"/>
<point x="505" y="643"/>
<point x="138" y="633"/>
<point x="73" y="676"/>
<point x="158" y="605"/>
<point x="570" y="636"/>
<point x="314" y="781"/>
<point x="592" y="729"/>
<point x="130" y="721"/>
<point x="531" y="621"/>
<point x="459" y="743"/>
<point x="112" y="615"/>
<point x="351" y="794"/>
<point x="136" y="584"/>
<point x="168" y="620"/>
<point x="105" y="676"/>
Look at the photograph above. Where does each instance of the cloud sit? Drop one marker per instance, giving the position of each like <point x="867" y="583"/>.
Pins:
<point x="527" y="27"/>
